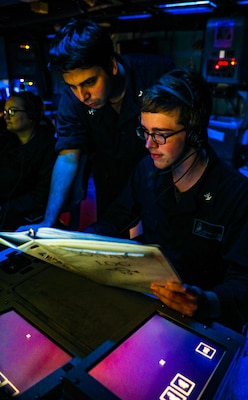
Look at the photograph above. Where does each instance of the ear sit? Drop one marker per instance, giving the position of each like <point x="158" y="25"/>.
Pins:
<point x="114" y="66"/>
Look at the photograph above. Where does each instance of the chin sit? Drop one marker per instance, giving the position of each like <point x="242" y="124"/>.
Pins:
<point x="160" y="165"/>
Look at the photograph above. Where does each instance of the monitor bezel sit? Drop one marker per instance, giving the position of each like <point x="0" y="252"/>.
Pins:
<point x="232" y="343"/>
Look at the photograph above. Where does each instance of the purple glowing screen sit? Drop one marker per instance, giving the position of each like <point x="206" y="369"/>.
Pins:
<point x="161" y="360"/>
<point x="26" y="354"/>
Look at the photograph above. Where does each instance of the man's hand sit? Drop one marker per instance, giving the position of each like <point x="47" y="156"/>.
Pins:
<point x="177" y="296"/>
<point x="33" y="227"/>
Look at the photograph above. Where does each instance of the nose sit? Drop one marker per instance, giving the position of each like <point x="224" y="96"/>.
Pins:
<point x="150" y="143"/>
<point x="83" y="94"/>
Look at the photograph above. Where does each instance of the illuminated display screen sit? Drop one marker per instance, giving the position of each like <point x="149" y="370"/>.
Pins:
<point x="160" y="360"/>
<point x="26" y="354"/>
<point x="224" y="32"/>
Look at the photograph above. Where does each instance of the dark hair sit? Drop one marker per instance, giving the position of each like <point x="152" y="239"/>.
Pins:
<point x="81" y="44"/>
<point x="187" y="91"/>
<point x="32" y="103"/>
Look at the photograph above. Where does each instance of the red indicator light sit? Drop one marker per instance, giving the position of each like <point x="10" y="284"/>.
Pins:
<point x="223" y="63"/>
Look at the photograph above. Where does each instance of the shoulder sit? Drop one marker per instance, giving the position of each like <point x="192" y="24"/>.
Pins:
<point x="229" y="180"/>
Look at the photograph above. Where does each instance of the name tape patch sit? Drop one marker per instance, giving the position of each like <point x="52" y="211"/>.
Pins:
<point x="208" y="230"/>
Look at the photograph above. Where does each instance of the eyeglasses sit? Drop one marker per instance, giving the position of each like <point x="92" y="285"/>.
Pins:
<point x="11" y="112"/>
<point x="158" y="138"/>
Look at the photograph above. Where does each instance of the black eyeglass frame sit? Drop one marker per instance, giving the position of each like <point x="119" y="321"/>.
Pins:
<point x="12" y="112"/>
<point x="141" y="132"/>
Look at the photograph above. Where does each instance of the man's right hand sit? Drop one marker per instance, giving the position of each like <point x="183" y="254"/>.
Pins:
<point x="34" y="227"/>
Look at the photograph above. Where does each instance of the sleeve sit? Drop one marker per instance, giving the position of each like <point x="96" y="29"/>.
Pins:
<point x="233" y="292"/>
<point x="71" y="123"/>
<point x="233" y="296"/>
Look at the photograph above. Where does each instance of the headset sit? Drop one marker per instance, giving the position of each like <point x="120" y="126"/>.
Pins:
<point x="196" y="134"/>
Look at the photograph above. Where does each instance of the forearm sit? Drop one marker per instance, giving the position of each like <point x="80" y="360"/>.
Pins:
<point x="63" y="175"/>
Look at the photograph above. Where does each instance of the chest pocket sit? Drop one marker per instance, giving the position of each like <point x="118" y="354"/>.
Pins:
<point x="207" y="230"/>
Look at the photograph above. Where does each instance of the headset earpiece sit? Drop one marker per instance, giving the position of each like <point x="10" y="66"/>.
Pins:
<point x="195" y="137"/>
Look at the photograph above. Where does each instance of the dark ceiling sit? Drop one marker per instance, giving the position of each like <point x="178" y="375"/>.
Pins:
<point x="20" y="14"/>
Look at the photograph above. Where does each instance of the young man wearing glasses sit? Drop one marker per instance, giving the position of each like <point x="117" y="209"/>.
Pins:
<point x="98" y="111"/>
<point x="189" y="202"/>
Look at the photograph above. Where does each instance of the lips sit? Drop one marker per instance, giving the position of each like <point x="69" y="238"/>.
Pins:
<point x="154" y="156"/>
<point x="92" y="105"/>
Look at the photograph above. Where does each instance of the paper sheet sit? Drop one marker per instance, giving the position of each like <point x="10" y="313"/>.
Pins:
<point x="116" y="263"/>
<point x="128" y="266"/>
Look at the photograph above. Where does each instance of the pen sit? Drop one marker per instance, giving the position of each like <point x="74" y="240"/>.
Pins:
<point x="107" y="252"/>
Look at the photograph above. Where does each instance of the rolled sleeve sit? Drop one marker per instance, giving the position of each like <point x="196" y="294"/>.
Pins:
<point x="71" y="123"/>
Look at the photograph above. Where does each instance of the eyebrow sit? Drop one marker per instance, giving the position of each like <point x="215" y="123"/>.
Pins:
<point x="161" y="129"/>
<point x="82" y="83"/>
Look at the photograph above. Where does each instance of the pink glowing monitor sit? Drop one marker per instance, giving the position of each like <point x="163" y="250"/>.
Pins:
<point x="160" y="360"/>
<point x="27" y="355"/>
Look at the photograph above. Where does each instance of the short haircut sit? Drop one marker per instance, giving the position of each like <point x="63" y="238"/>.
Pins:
<point x="81" y="44"/>
<point x="185" y="90"/>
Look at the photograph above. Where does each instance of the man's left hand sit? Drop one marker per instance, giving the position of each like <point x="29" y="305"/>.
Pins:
<point x="177" y="296"/>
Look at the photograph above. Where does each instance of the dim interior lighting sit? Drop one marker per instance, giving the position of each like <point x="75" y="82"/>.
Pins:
<point x="188" y="3"/>
<point x="90" y="3"/>
<point x="188" y="7"/>
<point x="39" y="7"/>
<point x="242" y="2"/>
<point x="25" y="46"/>
<point x="50" y="35"/>
<point x="134" y="16"/>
